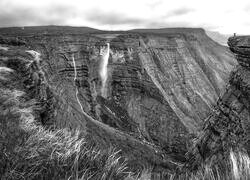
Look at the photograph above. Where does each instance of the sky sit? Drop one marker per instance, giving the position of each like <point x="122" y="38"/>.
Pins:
<point x="224" y="16"/>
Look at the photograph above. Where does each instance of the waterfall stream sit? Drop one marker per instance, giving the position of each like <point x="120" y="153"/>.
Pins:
<point x="77" y="92"/>
<point x="75" y="78"/>
<point x="103" y="73"/>
<point x="104" y="70"/>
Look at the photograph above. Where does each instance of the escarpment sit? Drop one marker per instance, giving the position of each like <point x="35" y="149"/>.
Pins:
<point x="27" y="75"/>
<point x="160" y="88"/>
<point x="226" y="130"/>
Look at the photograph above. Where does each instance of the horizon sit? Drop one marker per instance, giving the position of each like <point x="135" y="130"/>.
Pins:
<point x="54" y="25"/>
<point x="113" y="15"/>
<point x="118" y="30"/>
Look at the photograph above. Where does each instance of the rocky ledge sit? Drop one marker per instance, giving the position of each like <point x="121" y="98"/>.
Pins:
<point x="240" y="45"/>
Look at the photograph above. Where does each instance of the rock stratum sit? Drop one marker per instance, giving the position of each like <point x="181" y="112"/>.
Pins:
<point x="224" y="142"/>
<point x="160" y="87"/>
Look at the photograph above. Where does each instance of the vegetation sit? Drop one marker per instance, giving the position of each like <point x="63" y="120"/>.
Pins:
<point x="236" y="166"/>
<point x="29" y="151"/>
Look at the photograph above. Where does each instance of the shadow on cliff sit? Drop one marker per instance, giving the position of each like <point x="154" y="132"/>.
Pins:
<point x="28" y="149"/>
<point x="49" y="137"/>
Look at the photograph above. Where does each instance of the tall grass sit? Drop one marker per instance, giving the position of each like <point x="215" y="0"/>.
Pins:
<point x="233" y="166"/>
<point x="29" y="151"/>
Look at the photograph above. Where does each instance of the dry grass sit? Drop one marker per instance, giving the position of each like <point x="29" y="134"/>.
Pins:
<point x="233" y="166"/>
<point x="32" y="152"/>
<point x="29" y="151"/>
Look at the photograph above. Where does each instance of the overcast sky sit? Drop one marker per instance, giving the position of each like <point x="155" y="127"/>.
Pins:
<point x="225" y="16"/>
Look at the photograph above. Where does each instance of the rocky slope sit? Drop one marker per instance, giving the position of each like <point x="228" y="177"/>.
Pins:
<point x="161" y="85"/>
<point x="224" y="140"/>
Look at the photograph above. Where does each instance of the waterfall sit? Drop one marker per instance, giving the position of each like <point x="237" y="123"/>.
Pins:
<point x="104" y="70"/>
<point x="77" y="92"/>
<point x="76" y="89"/>
<point x="75" y="78"/>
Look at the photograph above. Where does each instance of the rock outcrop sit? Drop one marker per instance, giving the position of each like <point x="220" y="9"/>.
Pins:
<point x="227" y="130"/>
<point x="160" y="87"/>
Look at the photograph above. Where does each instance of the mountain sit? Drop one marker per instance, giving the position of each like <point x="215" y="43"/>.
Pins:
<point x="32" y="30"/>
<point x="146" y="92"/>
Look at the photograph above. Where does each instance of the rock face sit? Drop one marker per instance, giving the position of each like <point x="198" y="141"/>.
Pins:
<point x="227" y="129"/>
<point x="160" y="87"/>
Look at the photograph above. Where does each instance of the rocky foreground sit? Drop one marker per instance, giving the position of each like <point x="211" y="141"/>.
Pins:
<point x="160" y="88"/>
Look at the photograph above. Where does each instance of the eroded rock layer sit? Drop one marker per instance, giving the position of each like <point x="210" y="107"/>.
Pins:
<point x="227" y="128"/>
<point x="160" y="88"/>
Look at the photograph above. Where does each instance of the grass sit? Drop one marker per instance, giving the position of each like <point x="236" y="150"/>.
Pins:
<point x="32" y="152"/>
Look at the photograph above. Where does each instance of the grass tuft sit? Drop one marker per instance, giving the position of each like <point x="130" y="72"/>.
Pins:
<point x="32" y="152"/>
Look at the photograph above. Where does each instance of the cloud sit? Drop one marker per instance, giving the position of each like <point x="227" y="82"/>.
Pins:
<point x="154" y="4"/>
<point x="180" y="11"/>
<point x="225" y="17"/>
<point x="116" y="18"/>
<point x="247" y="8"/>
<point x="24" y="16"/>
<point x="111" y="18"/>
<point x="160" y="24"/>
<point x="20" y="17"/>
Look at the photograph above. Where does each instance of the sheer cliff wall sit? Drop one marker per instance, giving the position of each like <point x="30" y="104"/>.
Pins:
<point x="160" y="87"/>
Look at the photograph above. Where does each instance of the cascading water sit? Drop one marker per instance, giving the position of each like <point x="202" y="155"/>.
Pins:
<point x="104" y="70"/>
<point x="75" y="78"/>
<point x="77" y="92"/>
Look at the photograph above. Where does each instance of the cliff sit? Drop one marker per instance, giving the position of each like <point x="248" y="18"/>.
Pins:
<point x="161" y="85"/>
<point x="223" y="145"/>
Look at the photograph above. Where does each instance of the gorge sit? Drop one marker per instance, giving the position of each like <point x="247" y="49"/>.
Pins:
<point x="171" y="100"/>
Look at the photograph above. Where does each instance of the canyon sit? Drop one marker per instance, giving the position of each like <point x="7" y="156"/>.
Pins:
<point x="153" y="94"/>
